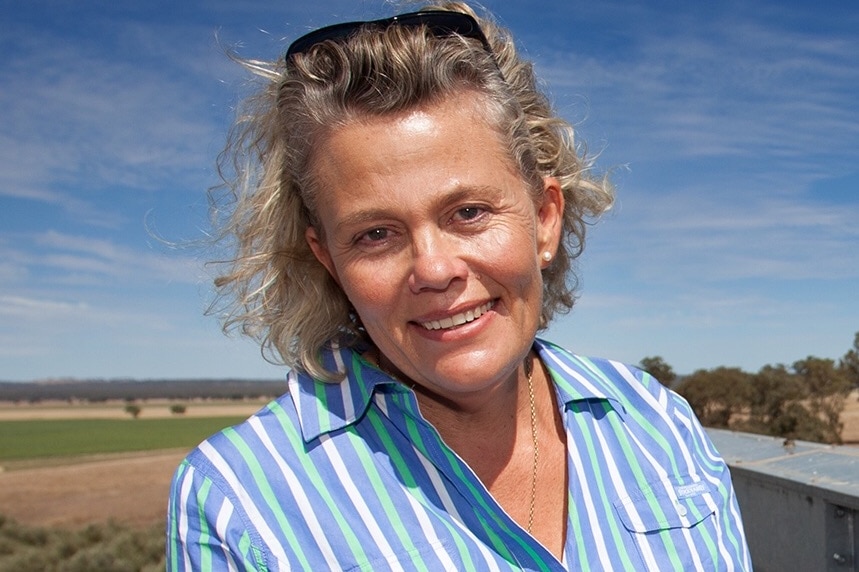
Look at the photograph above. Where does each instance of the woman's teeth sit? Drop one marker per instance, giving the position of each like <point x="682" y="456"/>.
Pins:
<point x="458" y="319"/>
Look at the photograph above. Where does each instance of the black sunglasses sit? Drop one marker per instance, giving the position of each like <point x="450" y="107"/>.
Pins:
<point x="440" y="22"/>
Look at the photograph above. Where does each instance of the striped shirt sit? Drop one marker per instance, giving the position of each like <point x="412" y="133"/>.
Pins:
<point x="350" y="476"/>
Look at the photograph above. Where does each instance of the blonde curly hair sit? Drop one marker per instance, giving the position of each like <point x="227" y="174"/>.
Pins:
<point x="273" y="288"/>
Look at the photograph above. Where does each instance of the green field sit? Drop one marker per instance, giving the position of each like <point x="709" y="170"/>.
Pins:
<point x="33" y="439"/>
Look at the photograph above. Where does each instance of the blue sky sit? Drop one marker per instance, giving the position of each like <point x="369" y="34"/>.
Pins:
<point x="731" y="130"/>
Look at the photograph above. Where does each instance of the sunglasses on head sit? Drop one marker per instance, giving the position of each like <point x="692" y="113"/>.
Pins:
<point x="439" y="22"/>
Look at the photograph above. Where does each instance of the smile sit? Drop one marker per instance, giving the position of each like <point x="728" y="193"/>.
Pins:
<point x="458" y="319"/>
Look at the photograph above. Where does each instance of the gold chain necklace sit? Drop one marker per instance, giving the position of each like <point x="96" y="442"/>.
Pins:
<point x="529" y="367"/>
<point x="536" y="447"/>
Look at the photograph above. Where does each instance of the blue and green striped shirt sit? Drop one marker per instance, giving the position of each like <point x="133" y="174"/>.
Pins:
<point x="350" y="476"/>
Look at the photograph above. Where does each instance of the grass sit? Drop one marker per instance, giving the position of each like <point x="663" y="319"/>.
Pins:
<point x="33" y="439"/>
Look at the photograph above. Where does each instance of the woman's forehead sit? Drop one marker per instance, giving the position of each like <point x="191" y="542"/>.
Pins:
<point x="448" y="135"/>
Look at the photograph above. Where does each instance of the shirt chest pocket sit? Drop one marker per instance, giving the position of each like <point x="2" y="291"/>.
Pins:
<point x="673" y="524"/>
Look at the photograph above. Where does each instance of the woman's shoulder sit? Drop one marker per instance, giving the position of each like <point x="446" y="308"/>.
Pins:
<point x="270" y="432"/>
<point x="584" y="377"/>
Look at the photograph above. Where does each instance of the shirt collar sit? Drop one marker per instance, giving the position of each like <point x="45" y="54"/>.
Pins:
<point x="578" y="378"/>
<point x="324" y="407"/>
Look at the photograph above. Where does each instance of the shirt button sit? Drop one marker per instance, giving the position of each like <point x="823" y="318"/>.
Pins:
<point x="681" y="510"/>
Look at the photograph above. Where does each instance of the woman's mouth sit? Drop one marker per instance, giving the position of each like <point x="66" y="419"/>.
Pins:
<point x="458" y="319"/>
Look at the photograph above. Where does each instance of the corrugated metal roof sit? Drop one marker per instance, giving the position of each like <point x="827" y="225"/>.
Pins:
<point x="830" y="467"/>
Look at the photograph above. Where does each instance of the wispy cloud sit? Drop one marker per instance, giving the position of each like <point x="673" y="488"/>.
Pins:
<point x="19" y="307"/>
<point x="692" y="238"/>
<point x="79" y="122"/>
<point x="56" y="258"/>
<point x="732" y="84"/>
<point x="731" y="120"/>
<point x="738" y="122"/>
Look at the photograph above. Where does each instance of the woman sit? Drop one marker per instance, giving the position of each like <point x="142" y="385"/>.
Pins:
<point x="405" y="229"/>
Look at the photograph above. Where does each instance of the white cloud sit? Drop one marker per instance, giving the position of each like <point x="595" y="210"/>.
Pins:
<point x="737" y="86"/>
<point x="80" y="121"/>
<point x="54" y="259"/>
<point x="692" y="238"/>
<point x="28" y="309"/>
<point x="731" y="117"/>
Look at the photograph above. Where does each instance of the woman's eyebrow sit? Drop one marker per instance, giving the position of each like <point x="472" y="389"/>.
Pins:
<point x="465" y="194"/>
<point x="459" y="194"/>
<point x="363" y="217"/>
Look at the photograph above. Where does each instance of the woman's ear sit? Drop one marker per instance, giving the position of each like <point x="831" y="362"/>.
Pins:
<point x="550" y="220"/>
<point x="321" y="252"/>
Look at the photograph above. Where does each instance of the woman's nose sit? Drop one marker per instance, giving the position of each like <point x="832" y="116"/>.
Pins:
<point x="436" y="263"/>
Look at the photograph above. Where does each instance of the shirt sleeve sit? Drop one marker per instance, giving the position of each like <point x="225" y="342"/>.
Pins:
<point x="204" y="529"/>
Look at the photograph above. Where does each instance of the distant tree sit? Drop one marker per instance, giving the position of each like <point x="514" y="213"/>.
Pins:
<point x="775" y="396"/>
<point x="849" y="364"/>
<point x="803" y="402"/>
<point x="717" y="395"/>
<point x="133" y="410"/>
<point x="178" y="408"/>
<point x="826" y="390"/>
<point x="660" y="370"/>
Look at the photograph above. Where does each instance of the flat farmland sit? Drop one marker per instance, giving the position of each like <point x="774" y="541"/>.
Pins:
<point x="89" y="472"/>
<point x="149" y="409"/>
<point x="131" y="487"/>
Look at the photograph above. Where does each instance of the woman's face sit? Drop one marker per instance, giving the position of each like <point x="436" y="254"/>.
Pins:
<point x="432" y="235"/>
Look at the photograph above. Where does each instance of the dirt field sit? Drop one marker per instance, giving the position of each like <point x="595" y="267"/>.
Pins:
<point x="151" y="409"/>
<point x="133" y="488"/>
<point x="124" y="488"/>
<point x="850" y="418"/>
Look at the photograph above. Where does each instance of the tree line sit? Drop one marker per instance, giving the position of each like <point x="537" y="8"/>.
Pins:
<point x="94" y="391"/>
<point x="800" y="401"/>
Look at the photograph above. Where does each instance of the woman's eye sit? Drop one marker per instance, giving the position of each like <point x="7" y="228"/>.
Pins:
<point x="375" y="235"/>
<point x="469" y="213"/>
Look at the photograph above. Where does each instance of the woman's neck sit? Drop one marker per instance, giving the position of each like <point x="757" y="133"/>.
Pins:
<point x="485" y="429"/>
